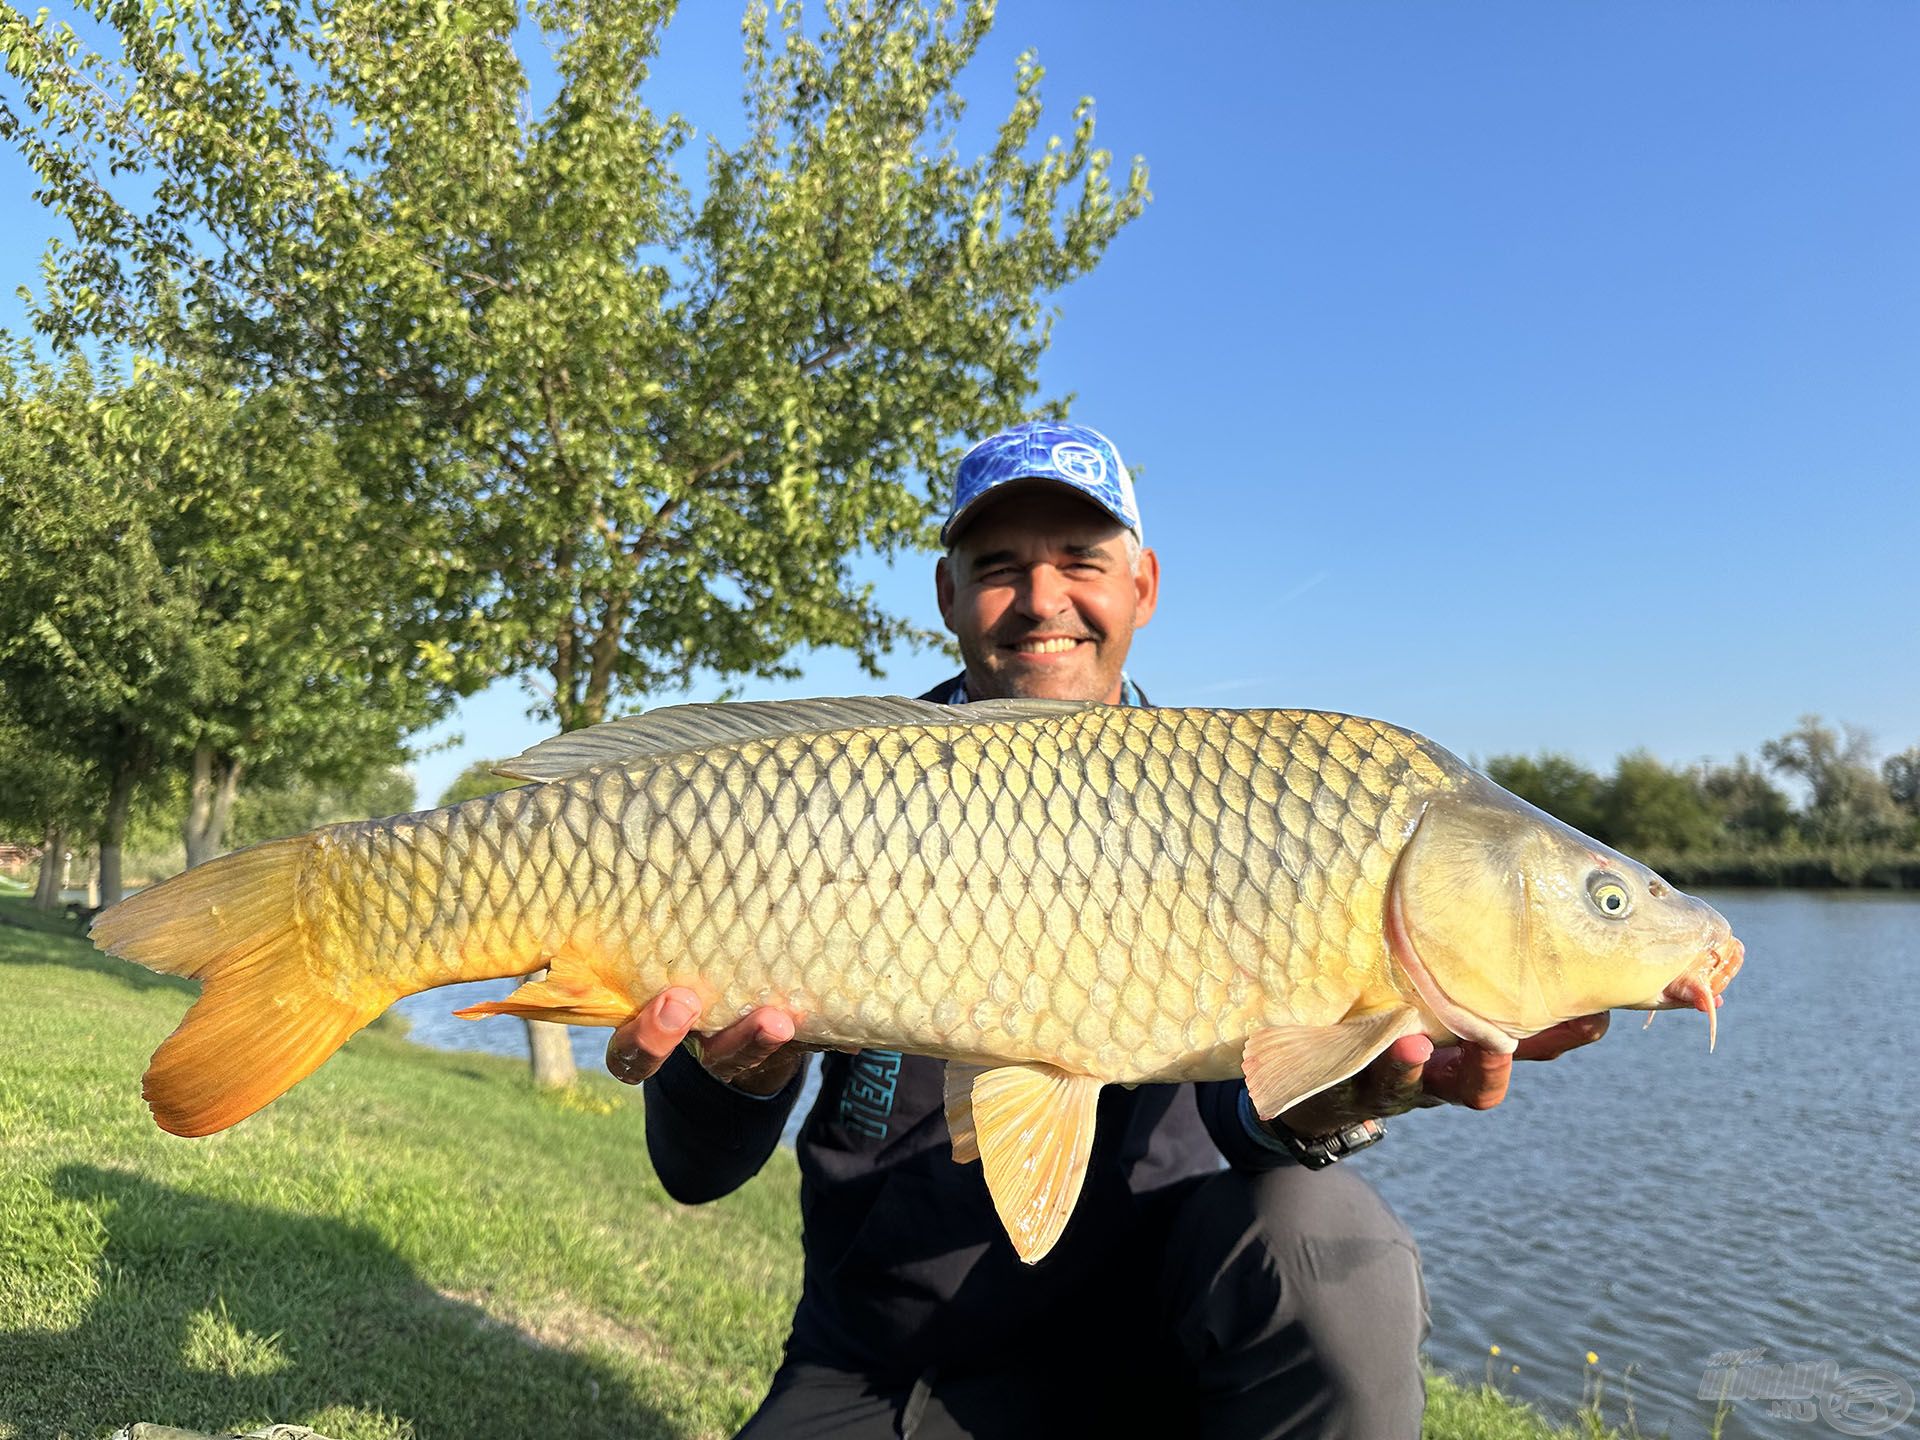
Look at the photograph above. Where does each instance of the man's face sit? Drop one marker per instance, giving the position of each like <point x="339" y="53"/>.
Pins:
<point x="1039" y="592"/>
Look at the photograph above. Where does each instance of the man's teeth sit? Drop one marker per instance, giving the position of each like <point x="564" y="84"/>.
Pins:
<point x="1046" y="647"/>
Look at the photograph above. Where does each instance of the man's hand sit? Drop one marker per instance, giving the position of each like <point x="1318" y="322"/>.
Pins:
<point x="755" y="1053"/>
<point x="1411" y="1072"/>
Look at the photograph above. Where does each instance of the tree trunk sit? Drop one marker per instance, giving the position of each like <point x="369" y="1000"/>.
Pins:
<point x="53" y="859"/>
<point x="210" y="795"/>
<point x="551" y="1046"/>
<point x="113" y="831"/>
<point x="552" y="1051"/>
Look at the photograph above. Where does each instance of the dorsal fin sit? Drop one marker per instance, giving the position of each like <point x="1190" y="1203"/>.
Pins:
<point x="674" y="728"/>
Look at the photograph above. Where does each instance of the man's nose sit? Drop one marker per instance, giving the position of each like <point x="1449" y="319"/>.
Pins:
<point x="1045" y="593"/>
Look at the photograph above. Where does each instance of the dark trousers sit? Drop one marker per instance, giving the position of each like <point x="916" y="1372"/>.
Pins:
<point x="1283" y="1304"/>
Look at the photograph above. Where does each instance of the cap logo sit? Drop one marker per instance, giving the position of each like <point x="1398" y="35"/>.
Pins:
<point x="1077" y="460"/>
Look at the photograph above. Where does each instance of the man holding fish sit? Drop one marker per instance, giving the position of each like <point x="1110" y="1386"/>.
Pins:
<point x="1126" y="942"/>
<point x="1273" y="1297"/>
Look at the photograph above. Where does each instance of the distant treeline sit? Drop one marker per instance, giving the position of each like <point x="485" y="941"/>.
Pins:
<point x="1858" y="825"/>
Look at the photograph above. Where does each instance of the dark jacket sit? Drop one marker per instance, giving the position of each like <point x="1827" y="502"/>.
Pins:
<point x="907" y="1266"/>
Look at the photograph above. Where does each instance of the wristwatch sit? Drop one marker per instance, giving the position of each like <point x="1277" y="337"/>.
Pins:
<point x="1315" y="1152"/>
<point x="1319" y="1151"/>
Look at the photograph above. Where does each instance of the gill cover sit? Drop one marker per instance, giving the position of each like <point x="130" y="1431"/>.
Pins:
<point x="1508" y="921"/>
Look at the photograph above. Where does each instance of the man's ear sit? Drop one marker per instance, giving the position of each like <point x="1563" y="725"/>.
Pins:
<point x="943" y="589"/>
<point x="1146" y="588"/>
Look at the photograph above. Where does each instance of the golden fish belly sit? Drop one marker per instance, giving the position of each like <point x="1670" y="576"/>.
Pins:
<point x="1121" y="893"/>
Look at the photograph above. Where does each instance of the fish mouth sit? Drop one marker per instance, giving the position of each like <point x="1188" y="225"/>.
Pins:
<point x="1702" y="986"/>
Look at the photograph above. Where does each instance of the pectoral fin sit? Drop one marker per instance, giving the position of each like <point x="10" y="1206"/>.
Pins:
<point x="1285" y="1064"/>
<point x="1032" y="1126"/>
<point x="959" y="1091"/>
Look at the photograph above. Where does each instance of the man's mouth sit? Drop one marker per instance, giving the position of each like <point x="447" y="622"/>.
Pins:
<point x="1047" y="645"/>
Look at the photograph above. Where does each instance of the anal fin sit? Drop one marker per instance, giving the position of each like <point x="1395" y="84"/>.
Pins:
<point x="1285" y="1064"/>
<point x="959" y="1097"/>
<point x="571" y="992"/>
<point x="1032" y="1126"/>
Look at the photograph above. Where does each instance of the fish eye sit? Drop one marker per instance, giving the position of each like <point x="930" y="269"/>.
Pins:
<point x="1609" y="896"/>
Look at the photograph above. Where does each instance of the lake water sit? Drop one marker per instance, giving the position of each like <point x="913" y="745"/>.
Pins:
<point x="1660" y="1206"/>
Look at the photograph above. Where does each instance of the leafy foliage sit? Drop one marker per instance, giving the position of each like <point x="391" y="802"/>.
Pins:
<point x="1648" y="806"/>
<point x="640" y="427"/>
<point x="1901" y="774"/>
<point x="476" y="780"/>
<point x="267" y="812"/>
<point x="1645" y="806"/>
<point x="100" y="656"/>
<point x="188" y="568"/>
<point x="1848" y="799"/>
<point x="1558" y="784"/>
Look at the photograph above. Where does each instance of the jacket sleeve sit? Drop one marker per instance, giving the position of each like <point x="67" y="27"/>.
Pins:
<point x="1230" y="1121"/>
<point x="706" y="1138"/>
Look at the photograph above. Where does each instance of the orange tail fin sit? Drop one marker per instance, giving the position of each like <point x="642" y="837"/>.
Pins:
<point x="263" y="1021"/>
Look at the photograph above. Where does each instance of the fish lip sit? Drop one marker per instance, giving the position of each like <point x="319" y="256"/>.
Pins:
<point x="1723" y="959"/>
<point x="1456" y="1017"/>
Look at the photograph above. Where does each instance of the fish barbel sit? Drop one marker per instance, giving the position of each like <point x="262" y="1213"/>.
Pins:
<point x="1052" y="896"/>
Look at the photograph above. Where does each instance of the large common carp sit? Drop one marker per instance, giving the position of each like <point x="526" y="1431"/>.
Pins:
<point x="1053" y="896"/>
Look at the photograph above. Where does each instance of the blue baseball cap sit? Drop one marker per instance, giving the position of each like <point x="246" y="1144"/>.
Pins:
<point x="1076" y="456"/>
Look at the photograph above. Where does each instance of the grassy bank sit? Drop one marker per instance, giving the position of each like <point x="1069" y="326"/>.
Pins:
<point x="409" y="1244"/>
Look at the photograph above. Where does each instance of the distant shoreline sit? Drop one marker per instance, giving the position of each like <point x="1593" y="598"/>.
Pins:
<point x="1863" y="869"/>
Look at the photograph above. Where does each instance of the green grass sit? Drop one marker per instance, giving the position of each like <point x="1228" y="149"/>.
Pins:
<point x="21" y="915"/>
<point x="409" y="1244"/>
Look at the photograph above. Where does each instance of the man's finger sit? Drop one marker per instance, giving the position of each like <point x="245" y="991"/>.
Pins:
<point x="1397" y="1079"/>
<point x="641" y="1045"/>
<point x="1567" y="1035"/>
<point x="746" y="1044"/>
<point x="1467" y="1075"/>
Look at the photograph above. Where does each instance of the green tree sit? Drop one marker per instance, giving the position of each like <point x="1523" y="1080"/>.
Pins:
<point x="267" y="812"/>
<point x="666" y="420"/>
<point x="311" y="593"/>
<point x="476" y="780"/>
<point x="100" y="658"/>
<point x="46" y="794"/>
<point x="1901" y="775"/>
<point x="1848" y="801"/>
<point x="1559" y="785"/>
<point x="1751" y="809"/>
<point x="194" y="584"/>
<point x="645" y="429"/>
<point x="1649" y="806"/>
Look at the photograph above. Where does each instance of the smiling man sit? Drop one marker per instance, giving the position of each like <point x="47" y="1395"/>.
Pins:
<point x="1045" y="577"/>
<point x="1217" y="1278"/>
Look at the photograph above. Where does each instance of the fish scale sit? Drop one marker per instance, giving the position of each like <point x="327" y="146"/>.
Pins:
<point x="900" y="878"/>
<point x="863" y="877"/>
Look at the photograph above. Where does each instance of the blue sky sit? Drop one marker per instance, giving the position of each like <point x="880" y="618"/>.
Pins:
<point x="1533" y="376"/>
